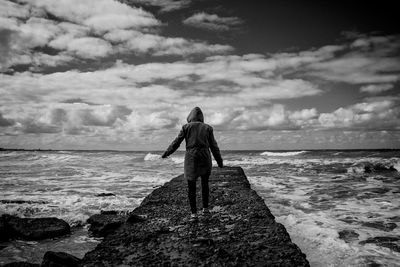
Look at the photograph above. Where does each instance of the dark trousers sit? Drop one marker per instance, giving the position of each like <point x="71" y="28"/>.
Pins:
<point x="204" y="193"/>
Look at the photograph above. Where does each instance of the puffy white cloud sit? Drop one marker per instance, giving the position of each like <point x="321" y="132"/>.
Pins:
<point x="84" y="30"/>
<point x="143" y="121"/>
<point x="215" y="81"/>
<point x="212" y="22"/>
<point x="99" y="15"/>
<point x="157" y="45"/>
<point x="90" y="47"/>
<point x="67" y="118"/>
<point x="375" y="88"/>
<point x="382" y="114"/>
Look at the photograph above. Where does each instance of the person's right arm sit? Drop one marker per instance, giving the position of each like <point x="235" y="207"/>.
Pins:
<point x="175" y="144"/>
<point x="215" y="149"/>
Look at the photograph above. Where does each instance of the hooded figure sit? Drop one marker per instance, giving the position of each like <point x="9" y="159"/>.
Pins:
<point x="200" y="140"/>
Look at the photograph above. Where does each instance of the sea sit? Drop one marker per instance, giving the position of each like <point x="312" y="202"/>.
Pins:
<point x="341" y="207"/>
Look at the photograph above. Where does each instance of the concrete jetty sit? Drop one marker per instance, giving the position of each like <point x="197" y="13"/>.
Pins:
<point x="240" y="230"/>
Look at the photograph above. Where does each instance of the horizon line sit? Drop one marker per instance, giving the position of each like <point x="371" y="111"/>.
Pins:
<point x="116" y="150"/>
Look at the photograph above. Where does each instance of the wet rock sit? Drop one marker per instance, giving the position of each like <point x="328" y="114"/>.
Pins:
<point x="390" y="242"/>
<point x="133" y="218"/>
<point x="36" y="228"/>
<point x="5" y="233"/>
<point x="105" y="195"/>
<point x="240" y="230"/>
<point x="348" y="235"/>
<point x="105" y="223"/>
<point x="20" y="264"/>
<point x="59" y="259"/>
<point x="381" y="225"/>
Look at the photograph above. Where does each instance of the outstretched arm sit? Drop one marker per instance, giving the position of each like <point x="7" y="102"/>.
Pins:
<point x="215" y="149"/>
<point x="175" y="144"/>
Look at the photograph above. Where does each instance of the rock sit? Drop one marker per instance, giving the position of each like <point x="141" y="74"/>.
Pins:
<point x="59" y="259"/>
<point x="241" y="232"/>
<point x="348" y="235"/>
<point x="5" y="233"/>
<point x="133" y="218"/>
<point x="105" y="223"/>
<point x="105" y="195"/>
<point x="21" y="264"/>
<point x="37" y="228"/>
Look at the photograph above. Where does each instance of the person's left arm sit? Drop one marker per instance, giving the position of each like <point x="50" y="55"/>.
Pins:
<point x="175" y="144"/>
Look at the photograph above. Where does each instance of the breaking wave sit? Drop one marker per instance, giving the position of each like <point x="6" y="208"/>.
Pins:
<point x="282" y="154"/>
<point x="152" y="157"/>
<point x="379" y="167"/>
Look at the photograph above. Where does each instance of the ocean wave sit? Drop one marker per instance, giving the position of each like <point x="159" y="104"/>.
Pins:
<point x="396" y="165"/>
<point x="152" y="157"/>
<point x="375" y="167"/>
<point x="283" y="154"/>
<point x="177" y="160"/>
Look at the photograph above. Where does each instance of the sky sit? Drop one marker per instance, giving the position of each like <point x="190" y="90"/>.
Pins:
<point x="268" y="75"/>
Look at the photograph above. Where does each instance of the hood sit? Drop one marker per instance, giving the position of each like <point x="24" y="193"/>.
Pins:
<point x="195" y="115"/>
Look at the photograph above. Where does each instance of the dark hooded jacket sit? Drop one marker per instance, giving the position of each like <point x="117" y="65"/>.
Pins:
<point x="200" y="140"/>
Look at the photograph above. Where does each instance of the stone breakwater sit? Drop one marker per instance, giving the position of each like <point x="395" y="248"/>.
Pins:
<point x="240" y="230"/>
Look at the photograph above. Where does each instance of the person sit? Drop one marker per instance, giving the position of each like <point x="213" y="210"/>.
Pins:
<point x="199" y="138"/>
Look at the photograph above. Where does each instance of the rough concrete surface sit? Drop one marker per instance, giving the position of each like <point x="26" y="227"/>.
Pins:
<point x="240" y="230"/>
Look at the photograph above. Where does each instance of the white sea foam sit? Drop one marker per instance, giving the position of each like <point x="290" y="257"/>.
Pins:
<point x="356" y="169"/>
<point x="177" y="160"/>
<point x="282" y="154"/>
<point x="152" y="157"/>
<point x="396" y="165"/>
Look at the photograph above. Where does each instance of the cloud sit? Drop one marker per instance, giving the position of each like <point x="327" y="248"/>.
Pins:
<point x="99" y="15"/>
<point x="5" y="122"/>
<point x="90" y="47"/>
<point x="269" y="117"/>
<point x="77" y="101"/>
<point x="73" y="118"/>
<point x="146" y="43"/>
<point x="43" y="33"/>
<point x="219" y="81"/>
<point x="164" y="5"/>
<point x="375" y="88"/>
<point x="31" y="127"/>
<point x="212" y="22"/>
<point x="366" y="60"/>
<point x="382" y="115"/>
